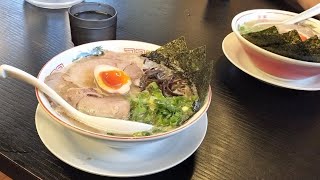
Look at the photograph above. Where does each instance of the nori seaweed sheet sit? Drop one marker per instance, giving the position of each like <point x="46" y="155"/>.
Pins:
<point x="287" y="44"/>
<point x="201" y="72"/>
<point x="192" y="64"/>
<point x="267" y="37"/>
<point x="165" y="54"/>
<point x="292" y="37"/>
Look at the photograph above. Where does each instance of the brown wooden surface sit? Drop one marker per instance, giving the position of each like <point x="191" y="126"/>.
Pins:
<point x="4" y="176"/>
<point x="255" y="131"/>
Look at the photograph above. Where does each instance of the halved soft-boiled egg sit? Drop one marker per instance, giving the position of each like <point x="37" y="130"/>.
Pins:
<point x="112" y="79"/>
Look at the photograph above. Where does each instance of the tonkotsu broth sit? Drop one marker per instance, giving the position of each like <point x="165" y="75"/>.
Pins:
<point x="78" y="80"/>
<point x="253" y="26"/>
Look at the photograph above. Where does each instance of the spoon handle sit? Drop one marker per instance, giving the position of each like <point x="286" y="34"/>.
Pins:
<point x="315" y="10"/>
<point x="6" y="70"/>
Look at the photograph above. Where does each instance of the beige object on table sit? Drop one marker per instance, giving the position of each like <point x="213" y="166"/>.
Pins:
<point x="53" y="4"/>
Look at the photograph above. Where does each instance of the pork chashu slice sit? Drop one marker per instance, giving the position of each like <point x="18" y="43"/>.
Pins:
<point x="81" y="73"/>
<point x="109" y="106"/>
<point x="88" y="100"/>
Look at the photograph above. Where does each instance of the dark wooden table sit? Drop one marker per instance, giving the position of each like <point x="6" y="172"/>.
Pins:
<point x="256" y="131"/>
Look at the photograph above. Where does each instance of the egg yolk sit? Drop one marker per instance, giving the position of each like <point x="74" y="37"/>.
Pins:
<point x="114" y="78"/>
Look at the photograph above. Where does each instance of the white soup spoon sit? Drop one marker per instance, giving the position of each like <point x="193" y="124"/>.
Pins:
<point x="108" y="125"/>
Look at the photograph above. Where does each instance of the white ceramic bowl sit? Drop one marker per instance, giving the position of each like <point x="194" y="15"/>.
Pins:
<point x="65" y="58"/>
<point x="271" y="63"/>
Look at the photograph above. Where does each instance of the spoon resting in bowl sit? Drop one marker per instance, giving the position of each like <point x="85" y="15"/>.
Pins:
<point x="109" y="125"/>
<point x="315" y="10"/>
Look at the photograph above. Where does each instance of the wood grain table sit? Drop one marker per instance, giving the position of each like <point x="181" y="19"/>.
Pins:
<point x="255" y="131"/>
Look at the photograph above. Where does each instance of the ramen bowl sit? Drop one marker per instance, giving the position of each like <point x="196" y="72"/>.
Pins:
<point x="276" y="65"/>
<point x="67" y="57"/>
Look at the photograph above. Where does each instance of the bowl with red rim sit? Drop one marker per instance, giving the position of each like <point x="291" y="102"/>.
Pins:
<point x="67" y="57"/>
<point x="276" y="65"/>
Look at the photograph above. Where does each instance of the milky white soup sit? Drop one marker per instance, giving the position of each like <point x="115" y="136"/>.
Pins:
<point x="125" y="86"/>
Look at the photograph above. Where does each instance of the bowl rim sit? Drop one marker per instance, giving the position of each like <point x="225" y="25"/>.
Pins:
<point x="266" y="52"/>
<point x="77" y="129"/>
